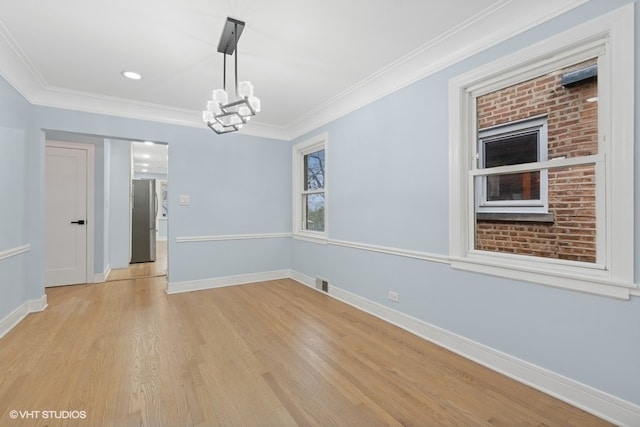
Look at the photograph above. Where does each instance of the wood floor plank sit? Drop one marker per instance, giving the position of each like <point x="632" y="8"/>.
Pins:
<point x="266" y="354"/>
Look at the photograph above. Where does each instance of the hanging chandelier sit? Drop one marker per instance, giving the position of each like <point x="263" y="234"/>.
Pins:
<point x="222" y="115"/>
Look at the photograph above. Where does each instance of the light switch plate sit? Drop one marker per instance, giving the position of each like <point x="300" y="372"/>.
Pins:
<point x="185" y="199"/>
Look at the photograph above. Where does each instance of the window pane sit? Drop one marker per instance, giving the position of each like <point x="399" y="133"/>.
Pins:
<point x="515" y="186"/>
<point x="569" y="233"/>
<point x="313" y="205"/>
<point x="314" y="170"/>
<point x="511" y="151"/>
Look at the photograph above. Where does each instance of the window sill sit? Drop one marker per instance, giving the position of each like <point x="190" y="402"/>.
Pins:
<point x="515" y="217"/>
<point x="313" y="238"/>
<point x="595" y="281"/>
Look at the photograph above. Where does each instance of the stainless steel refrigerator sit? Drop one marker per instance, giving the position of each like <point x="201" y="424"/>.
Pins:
<point x="143" y="221"/>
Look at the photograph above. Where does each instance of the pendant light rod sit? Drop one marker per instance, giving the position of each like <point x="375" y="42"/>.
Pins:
<point x="224" y="72"/>
<point x="235" y="55"/>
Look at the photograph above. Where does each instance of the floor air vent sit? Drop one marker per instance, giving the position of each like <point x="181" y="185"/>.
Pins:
<point x="322" y="284"/>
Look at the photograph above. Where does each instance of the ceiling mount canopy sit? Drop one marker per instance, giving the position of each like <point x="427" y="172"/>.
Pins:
<point x="222" y="115"/>
<point x="230" y="35"/>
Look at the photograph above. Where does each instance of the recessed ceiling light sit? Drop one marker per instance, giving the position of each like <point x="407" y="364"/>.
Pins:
<point x="148" y="143"/>
<point x="145" y="164"/>
<point x="144" y="170"/>
<point x="146" y="156"/>
<point x="131" y="75"/>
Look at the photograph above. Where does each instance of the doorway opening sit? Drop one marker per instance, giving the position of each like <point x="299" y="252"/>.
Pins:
<point x="108" y="182"/>
<point x="149" y="212"/>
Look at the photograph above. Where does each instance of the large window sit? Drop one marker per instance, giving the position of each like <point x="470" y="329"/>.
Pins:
<point x="309" y="198"/>
<point x="541" y="177"/>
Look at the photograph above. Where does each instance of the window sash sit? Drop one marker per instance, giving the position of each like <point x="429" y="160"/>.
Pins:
<point x="539" y="166"/>
<point x="532" y="125"/>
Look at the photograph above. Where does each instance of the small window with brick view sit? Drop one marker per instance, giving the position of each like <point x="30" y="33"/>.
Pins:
<point x="517" y="143"/>
<point x="535" y="179"/>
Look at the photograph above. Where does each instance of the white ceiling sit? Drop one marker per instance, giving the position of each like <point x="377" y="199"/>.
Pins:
<point x="310" y="61"/>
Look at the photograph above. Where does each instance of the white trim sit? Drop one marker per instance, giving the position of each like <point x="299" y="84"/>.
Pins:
<point x="308" y="237"/>
<point x="610" y="37"/>
<point x="534" y="166"/>
<point x="426" y="256"/>
<point x="591" y="400"/>
<point x="14" y="251"/>
<point x="102" y="277"/>
<point x="219" y="282"/>
<point x="219" y="238"/>
<point x="12" y="319"/>
<point x="303" y="279"/>
<point x="90" y="222"/>
<point x="450" y="48"/>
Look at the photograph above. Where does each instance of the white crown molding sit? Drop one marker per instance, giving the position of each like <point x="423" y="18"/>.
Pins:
<point x="451" y="47"/>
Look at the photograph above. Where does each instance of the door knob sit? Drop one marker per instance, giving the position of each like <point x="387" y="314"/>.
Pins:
<point x="80" y="221"/>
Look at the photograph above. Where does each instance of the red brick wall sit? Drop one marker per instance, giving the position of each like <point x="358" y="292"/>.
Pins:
<point x="572" y="131"/>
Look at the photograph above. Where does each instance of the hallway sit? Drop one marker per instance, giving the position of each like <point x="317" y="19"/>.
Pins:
<point x="145" y="269"/>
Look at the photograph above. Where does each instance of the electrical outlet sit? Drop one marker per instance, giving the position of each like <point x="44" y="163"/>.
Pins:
<point x="394" y="296"/>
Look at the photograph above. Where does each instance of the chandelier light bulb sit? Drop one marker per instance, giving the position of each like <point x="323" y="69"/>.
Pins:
<point x="207" y="116"/>
<point x="245" y="89"/>
<point x="255" y="103"/>
<point x="220" y="96"/>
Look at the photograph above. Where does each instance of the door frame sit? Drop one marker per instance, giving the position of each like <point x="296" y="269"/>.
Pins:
<point x="90" y="151"/>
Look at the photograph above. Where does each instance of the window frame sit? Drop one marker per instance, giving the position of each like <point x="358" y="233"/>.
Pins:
<point x="609" y="38"/>
<point x="300" y="150"/>
<point x="518" y="127"/>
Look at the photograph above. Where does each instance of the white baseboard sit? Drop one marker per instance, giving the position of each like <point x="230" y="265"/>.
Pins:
<point x="16" y="316"/>
<point x="599" y="403"/>
<point x="102" y="277"/>
<point x="219" y="282"/>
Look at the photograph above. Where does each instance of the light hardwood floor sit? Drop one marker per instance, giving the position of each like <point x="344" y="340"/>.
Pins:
<point x="267" y="354"/>
<point x="144" y="269"/>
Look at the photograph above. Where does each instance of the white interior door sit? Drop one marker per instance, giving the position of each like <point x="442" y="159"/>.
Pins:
<point x="66" y="213"/>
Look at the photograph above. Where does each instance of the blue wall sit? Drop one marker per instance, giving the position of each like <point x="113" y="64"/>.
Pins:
<point x="399" y="198"/>
<point x="238" y="184"/>
<point x="119" y="222"/>
<point x="14" y="124"/>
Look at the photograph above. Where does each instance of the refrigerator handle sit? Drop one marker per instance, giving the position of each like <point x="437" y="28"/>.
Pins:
<point x="155" y="215"/>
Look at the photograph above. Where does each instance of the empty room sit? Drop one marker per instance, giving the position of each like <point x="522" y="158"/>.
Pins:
<point x="336" y="213"/>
